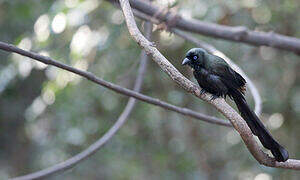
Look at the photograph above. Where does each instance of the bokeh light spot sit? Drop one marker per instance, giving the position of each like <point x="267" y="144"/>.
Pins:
<point x="59" y="23"/>
<point x="117" y="17"/>
<point x="261" y="15"/>
<point x="263" y="176"/>
<point x="75" y="136"/>
<point x="71" y="3"/>
<point x="276" y="120"/>
<point x="41" y="28"/>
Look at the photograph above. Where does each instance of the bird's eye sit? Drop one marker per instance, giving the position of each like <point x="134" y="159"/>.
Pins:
<point x="195" y="57"/>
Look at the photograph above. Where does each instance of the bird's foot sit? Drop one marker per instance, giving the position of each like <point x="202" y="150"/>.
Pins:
<point x="202" y="92"/>
<point x="213" y="97"/>
<point x="152" y="44"/>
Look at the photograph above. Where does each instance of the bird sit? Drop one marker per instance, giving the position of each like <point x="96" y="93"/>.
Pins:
<point x="216" y="77"/>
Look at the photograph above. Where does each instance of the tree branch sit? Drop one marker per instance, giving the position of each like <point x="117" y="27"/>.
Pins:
<point x="114" y="87"/>
<point x="237" y="34"/>
<point x="210" y="48"/>
<point x="238" y="123"/>
<point x="107" y="136"/>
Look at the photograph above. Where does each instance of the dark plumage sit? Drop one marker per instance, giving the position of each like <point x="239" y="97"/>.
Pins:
<point x="215" y="76"/>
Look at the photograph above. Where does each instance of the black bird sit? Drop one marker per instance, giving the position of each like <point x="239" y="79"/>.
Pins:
<point x="215" y="76"/>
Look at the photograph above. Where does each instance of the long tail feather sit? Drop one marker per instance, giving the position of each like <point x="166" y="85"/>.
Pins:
<point x="259" y="129"/>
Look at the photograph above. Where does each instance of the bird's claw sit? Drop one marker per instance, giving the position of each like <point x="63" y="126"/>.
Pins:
<point x="152" y="44"/>
<point x="202" y="92"/>
<point x="213" y="97"/>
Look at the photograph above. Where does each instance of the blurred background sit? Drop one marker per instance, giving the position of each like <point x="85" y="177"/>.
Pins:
<point x="48" y="115"/>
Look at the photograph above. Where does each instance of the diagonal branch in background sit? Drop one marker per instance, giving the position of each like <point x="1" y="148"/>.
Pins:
<point x="71" y="162"/>
<point x="238" y="34"/>
<point x="238" y="123"/>
<point x="114" y="87"/>
<point x="107" y="136"/>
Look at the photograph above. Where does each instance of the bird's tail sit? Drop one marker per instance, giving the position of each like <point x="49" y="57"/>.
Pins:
<point x="258" y="128"/>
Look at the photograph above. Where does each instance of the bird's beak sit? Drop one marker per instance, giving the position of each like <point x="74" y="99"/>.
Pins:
<point x="185" y="61"/>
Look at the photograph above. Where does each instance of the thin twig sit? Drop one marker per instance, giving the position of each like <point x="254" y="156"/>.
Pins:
<point x="107" y="136"/>
<point x="114" y="87"/>
<point x="238" y="123"/>
<point x="238" y="33"/>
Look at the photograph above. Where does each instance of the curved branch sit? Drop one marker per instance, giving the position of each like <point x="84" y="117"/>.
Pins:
<point x="84" y="154"/>
<point x="238" y="123"/>
<point x="107" y="136"/>
<point x="211" y="49"/>
<point x="238" y="33"/>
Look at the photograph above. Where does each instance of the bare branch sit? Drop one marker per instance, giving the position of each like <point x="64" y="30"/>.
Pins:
<point x="107" y="136"/>
<point x="238" y="123"/>
<point x="212" y="50"/>
<point x="114" y="87"/>
<point x="238" y="33"/>
<point x="84" y="154"/>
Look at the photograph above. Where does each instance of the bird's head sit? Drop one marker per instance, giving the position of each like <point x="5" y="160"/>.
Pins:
<point x="194" y="57"/>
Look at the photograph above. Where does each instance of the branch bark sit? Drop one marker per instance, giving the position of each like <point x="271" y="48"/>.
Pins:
<point x="238" y="123"/>
<point x="212" y="50"/>
<point x="107" y="136"/>
<point x="93" y="148"/>
<point x="237" y="34"/>
<point x="114" y="87"/>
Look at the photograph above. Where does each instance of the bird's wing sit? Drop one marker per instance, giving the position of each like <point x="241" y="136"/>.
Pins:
<point x="229" y="76"/>
<point x="217" y="85"/>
